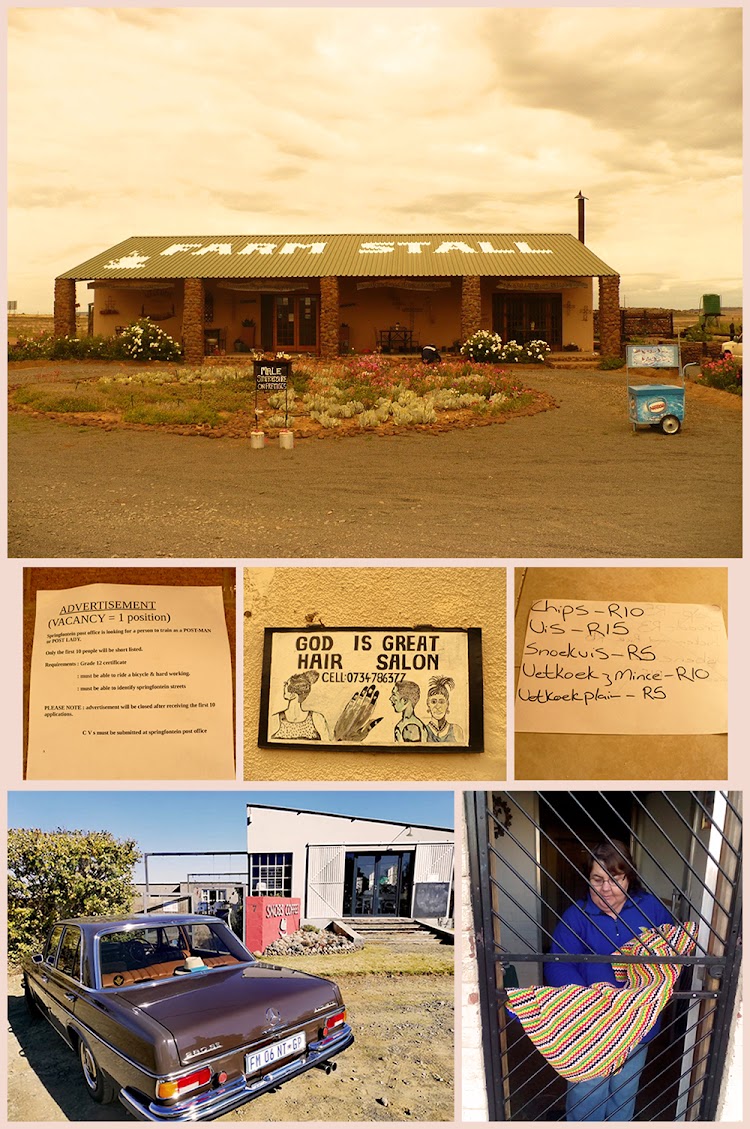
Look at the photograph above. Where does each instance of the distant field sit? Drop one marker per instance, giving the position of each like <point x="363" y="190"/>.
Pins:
<point x="29" y="325"/>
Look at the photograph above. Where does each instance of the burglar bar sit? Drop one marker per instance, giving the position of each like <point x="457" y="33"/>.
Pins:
<point x="699" y="1029"/>
<point x="606" y="837"/>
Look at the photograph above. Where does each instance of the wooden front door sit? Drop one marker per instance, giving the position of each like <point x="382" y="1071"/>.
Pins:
<point x="295" y="322"/>
<point x="522" y="317"/>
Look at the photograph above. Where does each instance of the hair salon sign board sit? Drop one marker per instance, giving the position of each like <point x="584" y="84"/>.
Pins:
<point x="388" y="689"/>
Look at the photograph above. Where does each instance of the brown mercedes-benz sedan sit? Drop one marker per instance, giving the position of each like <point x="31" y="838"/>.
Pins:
<point x="173" y="1015"/>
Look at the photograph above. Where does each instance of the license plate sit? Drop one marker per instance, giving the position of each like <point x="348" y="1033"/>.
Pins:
<point x="274" y="1052"/>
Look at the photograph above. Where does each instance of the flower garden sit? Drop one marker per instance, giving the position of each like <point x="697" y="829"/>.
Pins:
<point x="724" y="373"/>
<point x="350" y="395"/>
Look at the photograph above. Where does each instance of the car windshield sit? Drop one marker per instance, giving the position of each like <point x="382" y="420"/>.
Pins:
<point x="134" y="955"/>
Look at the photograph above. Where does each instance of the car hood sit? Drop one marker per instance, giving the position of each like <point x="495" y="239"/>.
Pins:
<point x="209" y="1013"/>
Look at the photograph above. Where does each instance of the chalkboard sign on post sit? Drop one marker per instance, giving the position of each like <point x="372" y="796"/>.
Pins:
<point x="272" y="376"/>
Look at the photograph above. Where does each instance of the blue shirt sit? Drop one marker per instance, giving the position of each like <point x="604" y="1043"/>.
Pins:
<point x="586" y="929"/>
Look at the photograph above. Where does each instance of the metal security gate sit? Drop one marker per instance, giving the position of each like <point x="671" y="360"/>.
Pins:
<point x="529" y="862"/>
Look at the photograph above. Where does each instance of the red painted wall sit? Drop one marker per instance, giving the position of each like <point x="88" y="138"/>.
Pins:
<point x="268" y="919"/>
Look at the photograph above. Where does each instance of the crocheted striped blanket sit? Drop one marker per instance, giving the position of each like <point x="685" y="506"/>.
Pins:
<point x="588" y="1033"/>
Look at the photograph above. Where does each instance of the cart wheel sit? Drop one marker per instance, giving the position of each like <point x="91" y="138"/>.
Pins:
<point x="670" y="425"/>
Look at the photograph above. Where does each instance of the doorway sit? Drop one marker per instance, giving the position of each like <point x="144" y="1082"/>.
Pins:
<point x="522" y="317"/>
<point x="289" y="321"/>
<point x="378" y="884"/>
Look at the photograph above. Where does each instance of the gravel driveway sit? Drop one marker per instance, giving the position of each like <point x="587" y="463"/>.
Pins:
<point x="574" y="482"/>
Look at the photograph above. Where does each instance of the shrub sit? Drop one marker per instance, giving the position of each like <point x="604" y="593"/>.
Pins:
<point x="487" y="348"/>
<point x="534" y="351"/>
<point x="54" y="874"/>
<point x="145" y="341"/>
<point x="696" y="333"/>
<point x="725" y="373"/>
<point x="31" y="348"/>
<point x="612" y="362"/>
<point x="483" y="347"/>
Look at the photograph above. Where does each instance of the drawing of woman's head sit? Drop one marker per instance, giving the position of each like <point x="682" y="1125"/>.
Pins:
<point x="438" y="695"/>
<point x="300" y="685"/>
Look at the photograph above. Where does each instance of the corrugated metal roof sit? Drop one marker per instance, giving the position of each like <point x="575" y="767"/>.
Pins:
<point x="348" y="256"/>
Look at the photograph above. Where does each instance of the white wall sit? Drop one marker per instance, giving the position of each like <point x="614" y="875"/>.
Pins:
<point x="277" y="830"/>
<point x="473" y="1088"/>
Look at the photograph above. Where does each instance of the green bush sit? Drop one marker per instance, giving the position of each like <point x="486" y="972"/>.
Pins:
<point x="145" y="341"/>
<point x="696" y="333"/>
<point x="168" y="414"/>
<point x="86" y="348"/>
<point x="483" y="347"/>
<point x="612" y="362"/>
<point x="141" y="341"/>
<point x="55" y="874"/>
<point x="31" y="348"/>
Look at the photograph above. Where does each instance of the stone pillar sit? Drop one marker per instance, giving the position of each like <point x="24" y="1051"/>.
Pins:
<point x="610" y="325"/>
<point x="329" y="317"/>
<point x="471" y="305"/>
<point x="192" y="321"/>
<point x="65" y="307"/>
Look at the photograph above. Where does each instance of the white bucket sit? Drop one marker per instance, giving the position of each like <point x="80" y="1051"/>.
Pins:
<point x="257" y="440"/>
<point x="286" y="440"/>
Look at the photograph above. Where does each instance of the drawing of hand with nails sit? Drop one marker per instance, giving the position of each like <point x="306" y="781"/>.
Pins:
<point x="354" y="721"/>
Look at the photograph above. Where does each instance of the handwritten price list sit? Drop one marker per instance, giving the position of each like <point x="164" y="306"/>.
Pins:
<point x="607" y="666"/>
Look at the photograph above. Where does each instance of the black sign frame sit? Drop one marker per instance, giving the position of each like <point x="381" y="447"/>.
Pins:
<point x="474" y="742"/>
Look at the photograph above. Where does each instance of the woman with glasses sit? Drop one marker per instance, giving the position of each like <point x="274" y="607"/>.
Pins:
<point x="613" y="913"/>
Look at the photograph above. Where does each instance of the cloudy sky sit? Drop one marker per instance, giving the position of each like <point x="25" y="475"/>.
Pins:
<point x="235" y="121"/>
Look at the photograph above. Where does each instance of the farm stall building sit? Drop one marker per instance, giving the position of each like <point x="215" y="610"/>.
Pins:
<point x="346" y="867"/>
<point x="326" y="294"/>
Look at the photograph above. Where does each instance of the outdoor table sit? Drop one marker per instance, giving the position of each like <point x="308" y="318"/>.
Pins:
<point x="395" y="339"/>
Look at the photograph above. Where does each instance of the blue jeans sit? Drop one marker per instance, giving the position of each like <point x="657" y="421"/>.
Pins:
<point x="607" y="1099"/>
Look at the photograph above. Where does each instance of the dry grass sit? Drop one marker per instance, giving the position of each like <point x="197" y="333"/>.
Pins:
<point x="375" y="959"/>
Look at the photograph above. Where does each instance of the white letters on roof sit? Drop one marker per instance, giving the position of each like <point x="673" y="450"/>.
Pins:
<point x="524" y="248"/>
<point x="131" y="261"/>
<point x="215" y="249"/>
<point x="371" y="247"/>
<point x="176" y="247"/>
<point x="261" y="248"/>
<point x="447" y="246"/>
<point x="314" y="248"/>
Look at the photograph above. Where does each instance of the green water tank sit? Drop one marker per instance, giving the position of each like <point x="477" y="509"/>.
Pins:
<point x="711" y="305"/>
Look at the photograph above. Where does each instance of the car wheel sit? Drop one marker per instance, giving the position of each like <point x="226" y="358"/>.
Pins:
<point x="98" y="1084"/>
<point x="670" y="425"/>
<point x="32" y="1007"/>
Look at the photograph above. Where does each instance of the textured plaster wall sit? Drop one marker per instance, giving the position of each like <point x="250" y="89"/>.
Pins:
<point x="473" y="1087"/>
<point x="348" y="597"/>
<point x="433" y="315"/>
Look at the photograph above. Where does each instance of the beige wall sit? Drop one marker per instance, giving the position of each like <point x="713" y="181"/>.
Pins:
<point x="373" y="597"/>
<point x="433" y="315"/>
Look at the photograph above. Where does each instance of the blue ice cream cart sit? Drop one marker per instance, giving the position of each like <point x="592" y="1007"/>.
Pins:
<point x="653" y="404"/>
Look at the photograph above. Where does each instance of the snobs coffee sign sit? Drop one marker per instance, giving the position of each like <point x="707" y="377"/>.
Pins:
<point x="385" y="688"/>
<point x="270" y="919"/>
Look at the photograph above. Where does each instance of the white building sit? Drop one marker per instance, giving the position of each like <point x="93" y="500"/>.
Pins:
<point x="346" y="867"/>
